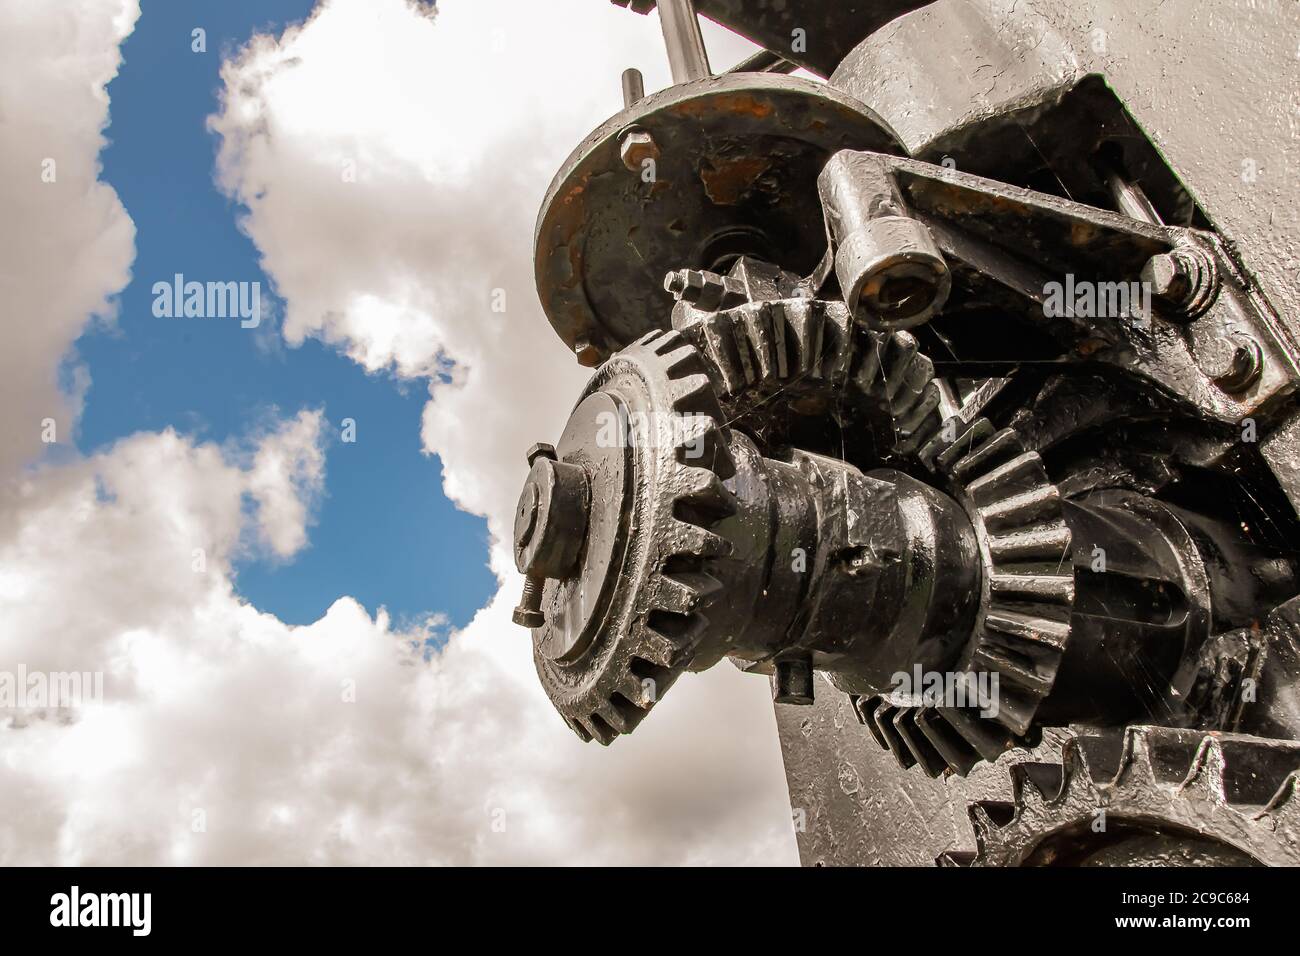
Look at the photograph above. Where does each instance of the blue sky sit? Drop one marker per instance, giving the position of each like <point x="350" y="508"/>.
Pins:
<point x="385" y="532"/>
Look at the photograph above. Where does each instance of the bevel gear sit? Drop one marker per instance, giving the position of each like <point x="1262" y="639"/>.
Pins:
<point x="807" y="359"/>
<point x="1026" y="597"/>
<point x="622" y="623"/>
<point x="1146" y="796"/>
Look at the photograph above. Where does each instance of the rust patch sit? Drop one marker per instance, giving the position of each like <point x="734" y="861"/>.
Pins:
<point x="739" y="103"/>
<point x="728" y="181"/>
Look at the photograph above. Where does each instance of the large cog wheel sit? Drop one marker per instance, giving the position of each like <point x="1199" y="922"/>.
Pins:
<point x="621" y="629"/>
<point x="1177" y="796"/>
<point x="1027" y="594"/>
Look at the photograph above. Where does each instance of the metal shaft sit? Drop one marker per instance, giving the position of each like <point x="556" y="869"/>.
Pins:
<point x="686" y="54"/>
<point x="633" y="88"/>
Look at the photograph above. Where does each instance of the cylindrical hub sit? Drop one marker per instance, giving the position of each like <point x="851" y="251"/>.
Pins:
<point x="865" y="575"/>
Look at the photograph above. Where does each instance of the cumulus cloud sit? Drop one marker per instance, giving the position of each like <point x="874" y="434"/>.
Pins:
<point x="66" y="244"/>
<point x="226" y="736"/>
<point x="391" y="166"/>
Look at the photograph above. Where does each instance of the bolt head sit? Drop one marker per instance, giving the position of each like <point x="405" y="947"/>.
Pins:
<point x="792" y="682"/>
<point x="1237" y="364"/>
<point x="635" y="148"/>
<point x="540" y="450"/>
<point x="525" y="617"/>
<point x="1167" y="276"/>
<point x="587" y="354"/>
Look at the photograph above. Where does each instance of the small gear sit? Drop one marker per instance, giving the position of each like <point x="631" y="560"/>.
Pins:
<point x="1173" y="796"/>
<point x="1026" y="597"/>
<point x="807" y="359"/>
<point x="624" y="623"/>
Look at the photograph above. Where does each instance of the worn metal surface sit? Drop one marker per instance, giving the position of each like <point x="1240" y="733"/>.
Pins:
<point x="1211" y="82"/>
<point x="1095" y="506"/>
<point x="736" y="168"/>
<point x="830" y="27"/>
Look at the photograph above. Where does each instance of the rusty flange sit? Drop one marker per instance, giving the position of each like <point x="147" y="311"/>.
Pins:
<point x="733" y="170"/>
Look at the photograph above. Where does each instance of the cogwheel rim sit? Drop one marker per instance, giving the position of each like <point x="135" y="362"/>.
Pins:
<point x="1027" y="593"/>
<point x="1198" y="805"/>
<point x="657" y="627"/>
<point x="760" y="349"/>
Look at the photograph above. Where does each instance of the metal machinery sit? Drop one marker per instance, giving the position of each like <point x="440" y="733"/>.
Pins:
<point x="956" y="395"/>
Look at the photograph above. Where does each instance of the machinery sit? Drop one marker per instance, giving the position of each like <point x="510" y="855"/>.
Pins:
<point x="955" y="393"/>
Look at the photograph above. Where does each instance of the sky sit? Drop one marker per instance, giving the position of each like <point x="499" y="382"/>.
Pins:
<point x="282" y="546"/>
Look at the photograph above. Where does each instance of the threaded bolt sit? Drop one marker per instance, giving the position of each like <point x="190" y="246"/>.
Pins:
<point x="529" y="612"/>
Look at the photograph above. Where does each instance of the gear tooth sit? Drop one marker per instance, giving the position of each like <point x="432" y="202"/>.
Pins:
<point x="1135" y="768"/>
<point x="577" y="727"/>
<point x="966" y="437"/>
<point x="1205" y="778"/>
<point x="988" y="739"/>
<point x="900" y="354"/>
<point x="1022" y="473"/>
<point x="598" y="730"/>
<point x="996" y="658"/>
<point x="1283" y="808"/>
<point x="1030" y="800"/>
<point x="621" y="715"/>
<point x="693" y="394"/>
<point x="912" y="389"/>
<point x="737" y="331"/>
<point x="690" y="539"/>
<point x="989" y="448"/>
<point x="956" y="752"/>
<point x="704" y="491"/>
<point x="634" y="690"/>
<point x="668" y="639"/>
<point x="986" y="827"/>
<point x="681" y="592"/>
<point x="883" y="717"/>
<point x="1040" y="633"/>
<point x="663" y="341"/>
<point x="837" y="342"/>
<point x="763" y="341"/>
<point x="721" y="352"/>
<point x="780" y="339"/>
<point x="923" y="752"/>
<point x="1017" y="704"/>
<point x="1077" y="785"/>
<point x="1046" y="543"/>
<point x="922" y="411"/>
<point x="869" y="362"/>
<point x="1019" y="510"/>
<point x="866" y="710"/>
<point x="1032" y="587"/>
<point x="804" y="333"/>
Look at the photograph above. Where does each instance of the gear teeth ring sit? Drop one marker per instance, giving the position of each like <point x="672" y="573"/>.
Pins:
<point x="610" y="690"/>
<point x="1195" y="797"/>
<point x="1027" y="596"/>
<point x="759" y="349"/>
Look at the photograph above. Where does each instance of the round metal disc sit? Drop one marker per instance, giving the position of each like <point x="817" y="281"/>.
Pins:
<point x="736" y="172"/>
<point x="575" y="606"/>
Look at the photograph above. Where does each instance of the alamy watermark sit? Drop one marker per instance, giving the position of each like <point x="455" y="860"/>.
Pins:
<point x="623" y="429"/>
<point x="179" y="299"/>
<point x="1085" y="299"/>
<point x="922" y="688"/>
<point x="42" y="690"/>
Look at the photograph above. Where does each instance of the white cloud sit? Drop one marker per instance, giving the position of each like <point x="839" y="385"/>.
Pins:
<point x="227" y="736"/>
<point x="393" y="166"/>
<point x="66" y="243"/>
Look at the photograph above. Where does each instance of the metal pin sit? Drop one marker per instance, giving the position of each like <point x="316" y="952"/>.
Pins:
<point x="633" y="88"/>
<point x="686" y="54"/>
